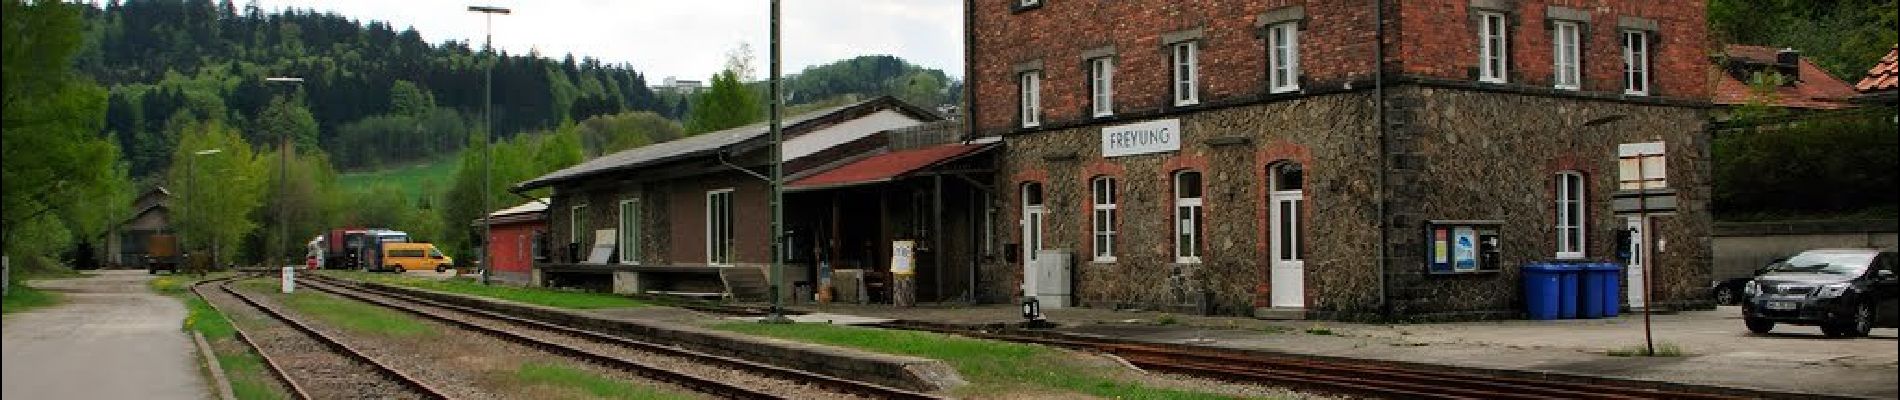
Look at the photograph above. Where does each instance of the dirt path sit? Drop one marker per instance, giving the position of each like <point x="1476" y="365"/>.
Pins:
<point x="113" y="338"/>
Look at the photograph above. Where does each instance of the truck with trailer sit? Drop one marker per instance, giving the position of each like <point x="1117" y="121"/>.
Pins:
<point x="161" y="253"/>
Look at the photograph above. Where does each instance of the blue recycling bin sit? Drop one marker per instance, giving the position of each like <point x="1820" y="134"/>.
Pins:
<point x="1567" y="289"/>
<point x="1590" y="291"/>
<point x="1540" y="290"/>
<point x="1611" y="293"/>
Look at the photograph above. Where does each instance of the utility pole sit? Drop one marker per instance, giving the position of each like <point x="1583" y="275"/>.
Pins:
<point x="777" y="315"/>
<point x="191" y="201"/>
<point x="488" y="127"/>
<point x="283" y="175"/>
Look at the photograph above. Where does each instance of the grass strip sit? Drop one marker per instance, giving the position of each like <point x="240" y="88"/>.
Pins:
<point x="556" y="298"/>
<point x="349" y="315"/>
<point x="994" y="368"/>
<point x="22" y="297"/>
<point x="564" y="378"/>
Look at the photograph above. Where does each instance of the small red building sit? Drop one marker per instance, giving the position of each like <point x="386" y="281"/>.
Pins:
<point x="515" y="237"/>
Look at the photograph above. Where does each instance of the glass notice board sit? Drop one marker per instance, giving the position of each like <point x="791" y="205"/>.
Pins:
<point x="1462" y="246"/>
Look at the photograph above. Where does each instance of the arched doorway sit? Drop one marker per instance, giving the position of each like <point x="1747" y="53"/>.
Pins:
<point x="1286" y="240"/>
<point x="1032" y="225"/>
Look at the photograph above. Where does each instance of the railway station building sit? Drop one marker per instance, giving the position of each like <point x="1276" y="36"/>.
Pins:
<point x="1342" y="159"/>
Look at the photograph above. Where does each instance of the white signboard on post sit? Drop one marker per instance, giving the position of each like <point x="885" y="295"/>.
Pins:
<point x="1141" y="138"/>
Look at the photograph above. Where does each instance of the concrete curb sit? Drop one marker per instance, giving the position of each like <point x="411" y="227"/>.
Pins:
<point x="217" y="371"/>
<point x="910" y="373"/>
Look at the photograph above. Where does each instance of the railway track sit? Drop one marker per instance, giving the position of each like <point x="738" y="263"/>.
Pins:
<point x="599" y="348"/>
<point x="310" y="363"/>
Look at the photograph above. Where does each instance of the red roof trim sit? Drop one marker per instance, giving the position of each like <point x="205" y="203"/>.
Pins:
<point x="886" y="167"/>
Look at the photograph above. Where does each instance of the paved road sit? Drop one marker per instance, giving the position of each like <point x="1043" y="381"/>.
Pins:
<point x="113" y="338"/>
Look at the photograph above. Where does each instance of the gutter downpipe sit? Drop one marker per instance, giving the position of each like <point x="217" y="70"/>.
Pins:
<point x="1378" y="87"/>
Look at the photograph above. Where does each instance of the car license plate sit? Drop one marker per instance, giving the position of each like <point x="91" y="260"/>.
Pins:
<point x="1781" y="305"/>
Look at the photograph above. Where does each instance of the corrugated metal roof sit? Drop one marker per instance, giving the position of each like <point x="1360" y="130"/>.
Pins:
<point x="885" y="167"/>
<point x="703" y="144"/>
<point x="538" y="205"/>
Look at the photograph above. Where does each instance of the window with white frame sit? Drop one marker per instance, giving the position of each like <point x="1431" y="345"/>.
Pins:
<point x="1570" y="214"/>
<point x="630" y="231"/>
<point x="1031" y="84"/>
<point x="1028" y="3"/>
<point x="1283" y="57"/>
<point x="1186" y="80"/>
<point x="1103" y="191"/>
<point x="719" y="227"/>
<point x="1493" y="62"/>
<point x="1102" y="85"/>
<point x="1187" y="217"/>
<point x="1565" y="43"/>
<point x="1636" y="63"/>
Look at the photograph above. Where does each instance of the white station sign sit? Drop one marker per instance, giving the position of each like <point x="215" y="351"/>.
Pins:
<point x="1141" y="138"/>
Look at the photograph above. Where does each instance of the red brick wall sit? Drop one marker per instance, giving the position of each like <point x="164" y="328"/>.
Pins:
<point x="1434" y="39"/>
<point x="1438" y="40"/>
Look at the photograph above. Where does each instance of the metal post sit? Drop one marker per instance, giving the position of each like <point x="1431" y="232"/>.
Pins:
<point x="488" y="129"/>
<point x="1643" y="252"/>
<point x="777" y="200"/>
<point x="282" y="253"/>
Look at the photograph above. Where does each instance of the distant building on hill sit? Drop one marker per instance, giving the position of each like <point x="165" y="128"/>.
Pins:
<point x="680" y="86"/>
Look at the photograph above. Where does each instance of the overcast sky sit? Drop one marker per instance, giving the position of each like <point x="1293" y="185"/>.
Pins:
<point x="687" y="39"/>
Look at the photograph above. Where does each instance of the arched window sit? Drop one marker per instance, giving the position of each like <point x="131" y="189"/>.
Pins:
<point x="1187" y="217"/>
<point x="1102" y="191"/>
<point x="1570" y="215"/>
<point x="1032" y="220"/>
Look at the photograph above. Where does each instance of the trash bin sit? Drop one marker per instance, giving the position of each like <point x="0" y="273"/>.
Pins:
<point x="1612" y="289"/>
<point x="1540" y="290"/>
<point x="1590" y="291"/>
<point x="1567" y="289"/>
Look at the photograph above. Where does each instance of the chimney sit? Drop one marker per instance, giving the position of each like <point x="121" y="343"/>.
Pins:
<point x="1788" y="62"/>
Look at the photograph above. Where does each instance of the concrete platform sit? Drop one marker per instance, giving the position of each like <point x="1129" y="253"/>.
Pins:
<point x="1718" y="350"/>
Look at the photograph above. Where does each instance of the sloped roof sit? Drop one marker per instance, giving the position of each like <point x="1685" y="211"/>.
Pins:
<point x="710" y="142"/>
<point x="1884" y="76"/>
<point x="538" y="205"/>
<point x="1816" y="89"/>
<point x="888" y="166"/>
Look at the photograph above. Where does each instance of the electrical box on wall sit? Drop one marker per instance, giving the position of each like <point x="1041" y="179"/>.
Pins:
<point x="1462" y="246"/>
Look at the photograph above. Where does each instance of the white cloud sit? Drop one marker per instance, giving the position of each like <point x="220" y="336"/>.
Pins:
<point x="685" y="39"/>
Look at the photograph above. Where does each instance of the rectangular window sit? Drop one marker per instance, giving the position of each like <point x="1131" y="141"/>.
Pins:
<point x="575" y="221"/>
<point x="1031" y="83"/>
<point x="1104" y="218"/>
<point x="1493" y="63"/>
<point x="1187" y="217"/>
<point x="1570" y="215"/>
<point x="719" y="227"/>
<point x="1186" y="81"/>
<point x="1636" y="63"/>
<point x="1102" y="85"/>
<point x="1567" y="53"/>
<point x="630" y="231"/>
<point x="1283" y="57"/>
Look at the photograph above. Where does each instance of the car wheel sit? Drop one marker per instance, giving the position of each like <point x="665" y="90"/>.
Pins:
<point x="1863" y="321"/>
<point x="441" y="268"/>
<point x="1757" y="325"/>
<point x="1726" y="296"/>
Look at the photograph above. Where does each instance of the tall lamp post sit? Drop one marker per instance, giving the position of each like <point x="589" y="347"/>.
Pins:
<point x="488" y="125"/>
<point x="191" y="184"/>
<point x="777" y="314"/>
<point x="283" y="175"/>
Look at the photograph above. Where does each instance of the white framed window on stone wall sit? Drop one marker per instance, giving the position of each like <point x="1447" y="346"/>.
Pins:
<point x="576" y="223"/>
<point x="1102" y="190"/>
<point x="630" y="231"/>
<point x="1570" y="215"/>
<point x="1493" y="42"/>
<point x="1636" y="63"/>
<point x="1186" y="74"/>
<point x="1102" y="86"/>
<point x="1283" y="57"/>
<point x="1187" y="217"/>
<point x="719" y="227"/>
<point x="1031" y="84"/>
<point x="1567" y="52"/>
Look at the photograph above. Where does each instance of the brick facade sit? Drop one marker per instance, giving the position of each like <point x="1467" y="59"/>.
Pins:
<point x="1451" y="148"/>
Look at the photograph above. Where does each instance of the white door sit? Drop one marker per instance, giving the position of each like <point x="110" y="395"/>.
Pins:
<point x="1639" y="254"/>
<point x="1032" y="244"/>
<point x="1289" y="266"/>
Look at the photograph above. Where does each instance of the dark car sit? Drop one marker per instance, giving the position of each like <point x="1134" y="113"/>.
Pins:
<point x="1728" y="292"/>
<point x="1846" y="292"/>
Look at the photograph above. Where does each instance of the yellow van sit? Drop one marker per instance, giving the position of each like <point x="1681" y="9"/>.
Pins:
<point x="415" y="256"/>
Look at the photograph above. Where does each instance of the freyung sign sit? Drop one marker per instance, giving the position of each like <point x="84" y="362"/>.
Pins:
<point x="1141" y="138"/>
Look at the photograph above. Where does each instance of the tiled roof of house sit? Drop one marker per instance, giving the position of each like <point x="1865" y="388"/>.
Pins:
<point x="1816" y="89"/>
<point x="1884" y="77"/>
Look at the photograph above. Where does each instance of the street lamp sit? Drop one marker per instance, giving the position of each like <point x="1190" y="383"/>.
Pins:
<point x="488" y="124"/>
<point x="283" y="170"/>
<point x="191" y="178"/>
